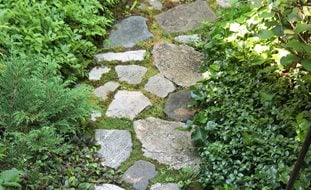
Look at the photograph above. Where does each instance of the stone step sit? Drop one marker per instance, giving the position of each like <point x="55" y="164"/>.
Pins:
<point x="107" y="187"/>
<point x="132" y="74"/>
<point x="139" y="174"/>
<point x="116" y="146"/>
<point x="137" y="55"/>
<point x="103" y="91"/>
<point x="129" y="32"/>
<point x="163" y="142"/>
<point x="127" y="104"/>
<point x="97" y="72"/>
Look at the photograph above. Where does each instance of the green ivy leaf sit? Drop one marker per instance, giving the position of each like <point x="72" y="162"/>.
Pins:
<point x="306" y="64"/>
<point x="289" y="59"/>
<point x="302" y="27"/>
<point x="265" y="34"/>
<point x="295" y="45"/>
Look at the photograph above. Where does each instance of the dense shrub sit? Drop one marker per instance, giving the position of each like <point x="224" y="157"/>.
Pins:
<point x="41" y="126"/>
<point x="61" y="31"/>
<point x="255" y="100"/>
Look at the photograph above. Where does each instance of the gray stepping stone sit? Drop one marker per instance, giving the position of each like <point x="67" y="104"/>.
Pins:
<point x="163" y="142"/>
<point x="95" y="115"/>
<point x="107" y="187"/>
<point x="102" y="92"/>
<point x="97" y="72"/>
<point x="176" y="107"/>
<point x="139" y="174"/>
<point x="224" y="3"/>
<point x="132" y="74"/>
<point x="116" y="146"/>
<point x="188" y="39"/>
<point x="129" y="32"/>
<point x="127" y="104"/>
<point x="178" y="63"/>
<point x="165" y="186"/>
<point x="137" y="55"/>
<point x="184" y="18"/>
<point x="159" y="86"/>
<point x="155" y="4"/>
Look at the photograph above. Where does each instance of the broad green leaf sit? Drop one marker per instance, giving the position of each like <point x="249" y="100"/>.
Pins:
<point x="11" y="175"/>
<point x="306" y="64"/>
<point x="215" y="67"/>
<point x="277" y="30"/>
<point x="289" y="59"/>
<point x="302" y="27"/>
<point x="295" y="45"/>
<point x="265" y="34"/>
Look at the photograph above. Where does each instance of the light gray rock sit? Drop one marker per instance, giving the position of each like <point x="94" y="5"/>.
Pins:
<point x="188" y="39"/>
<point x="137" y="55"/>
<point x="178" y="63"/>
<point x="107" y="187"/>
<point x="139" y="174"/>
<point x="97" y="72"/>
<point x="156" y="4"/>
<point x="224" y="3"/>
<point x="162" y="142"/>
<point x="127" y="104"/>
<point x="177" y="106"/>
<point x="129" y="32"/>
<point x="102" y="92"/>
<point x="95" y="115"/>
<point x="159" y="86"/>
<point x="184" y="18"/>
<point x="165" y="186"/>
<point x="116" y="146"/>
<point x="132" y="74"/>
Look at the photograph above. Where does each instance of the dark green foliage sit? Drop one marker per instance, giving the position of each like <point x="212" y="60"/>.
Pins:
<point x="61" y="30"/>
<point x="254" y="111"/>
<point x="41" y="122"/>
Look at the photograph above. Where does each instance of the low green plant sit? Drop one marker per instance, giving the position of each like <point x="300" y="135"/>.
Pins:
<point x="9" y="179"/>
<point x="64" y="31"/>
<point x="254" y="101"/>
<point x="42" y="122"/>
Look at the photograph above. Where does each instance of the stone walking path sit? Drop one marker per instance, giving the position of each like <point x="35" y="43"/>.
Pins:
<point x="131" y="91"/>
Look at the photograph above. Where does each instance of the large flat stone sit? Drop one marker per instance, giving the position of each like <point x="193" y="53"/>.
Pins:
<point x="107" y="187"/>
<point x="95" y="115"/>
<point x="155" y="4"/>
<point x="139" y="174"/>
<point x="184" y="18"/>
<point x="132" y="74"/>
<point x="165" y="186"/>
<point x="137" y="55"/>
<point x="162" y="142"/>
<point x="178" y="63"/>
<point x="129" y="32"/>
<point x="97" y="72"/>
<point x="177" y="106"/>
<point x="102" y="92"/>
<point x="127" y="104"/>
<point x="116" y="146"/>
<point x="159" y="86"/>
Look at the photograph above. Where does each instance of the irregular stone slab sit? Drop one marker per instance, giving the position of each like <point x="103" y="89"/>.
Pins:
<point x="95" y="115"/>
<point x="156" y="4"/>
<point x="132" y="74"/>
<point x="176" y="107"/>
<point x="165" y="186"/>
<point x="162" y="142"/>
<point x="188" y="39"/>
<point x="116" y="146"/>
<point x="224" y="3"/>
<point x="102" y="92"/>
<point x="139" y="174"/>
<point x="178" y="63"/>
<point x="127" y="104"/>
<point x="184" y="18"/>
<point x="107" y="187"/>
<point x="137" y="55"/>
<point x="159" y="86"/>
<point x="97" y="72"/>
<point x="129" y="32"/>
